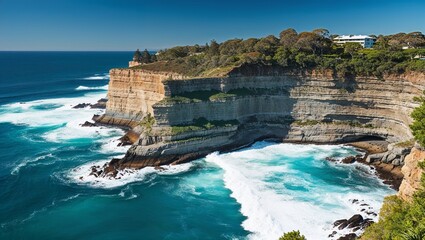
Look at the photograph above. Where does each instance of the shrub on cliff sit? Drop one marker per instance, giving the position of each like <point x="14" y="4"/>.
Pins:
<point x="400" y="220"/>
<point x="294" y="235"/>
<point x="418" y="125"/>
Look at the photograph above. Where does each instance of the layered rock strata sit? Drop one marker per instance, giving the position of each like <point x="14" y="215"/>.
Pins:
<point x="251" y="104"/>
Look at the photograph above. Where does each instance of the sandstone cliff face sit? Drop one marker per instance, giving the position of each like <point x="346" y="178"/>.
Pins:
<point x="412" y="174"/>
<point x="314" y="107"/>
<point x="131" y="95"/>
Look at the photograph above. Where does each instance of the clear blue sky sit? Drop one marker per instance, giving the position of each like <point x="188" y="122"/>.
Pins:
<point x="155" y="24"/>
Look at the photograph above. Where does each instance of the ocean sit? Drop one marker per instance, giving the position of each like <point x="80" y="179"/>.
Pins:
<point x="258" y="192"/>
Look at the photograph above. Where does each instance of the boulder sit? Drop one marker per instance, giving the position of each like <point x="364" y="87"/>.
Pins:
<point x="355" y="221"/>
<point x="88" y="124"/>
<point x="351" y="236"/>
<point x="374" y="157"/>
<point x="82" y="105"/>
<point x="348" y="160"/>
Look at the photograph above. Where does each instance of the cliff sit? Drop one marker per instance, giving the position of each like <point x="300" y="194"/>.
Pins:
<point x="412" y="173"/>
<point x="193" y="117"/>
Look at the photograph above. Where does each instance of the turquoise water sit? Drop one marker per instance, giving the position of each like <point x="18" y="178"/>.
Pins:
<point x="259" y="192"/>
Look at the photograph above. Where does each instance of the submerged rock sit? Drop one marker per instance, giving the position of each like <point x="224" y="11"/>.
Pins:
<point x="88" y="124"/>
<point x="81" y="105"/>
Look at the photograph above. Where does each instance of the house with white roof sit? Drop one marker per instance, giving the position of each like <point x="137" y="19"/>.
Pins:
<point x="364" y="40"/>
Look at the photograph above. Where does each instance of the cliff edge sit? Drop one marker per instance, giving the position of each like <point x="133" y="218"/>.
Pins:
<point x="179" y="119"/>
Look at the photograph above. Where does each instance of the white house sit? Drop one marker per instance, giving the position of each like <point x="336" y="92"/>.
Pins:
<point x="364" y="40"/>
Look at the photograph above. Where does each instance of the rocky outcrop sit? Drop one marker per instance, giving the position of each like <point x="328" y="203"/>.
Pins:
<point x="266" y="103"/>
<point x="412" y="173"/>
<point x="131" y="94"/>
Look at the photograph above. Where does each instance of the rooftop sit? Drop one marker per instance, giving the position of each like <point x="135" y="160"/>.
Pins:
<point x="345" y="37"/>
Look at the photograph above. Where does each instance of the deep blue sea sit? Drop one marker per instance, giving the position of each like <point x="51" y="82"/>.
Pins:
<point x="255" y="193"/>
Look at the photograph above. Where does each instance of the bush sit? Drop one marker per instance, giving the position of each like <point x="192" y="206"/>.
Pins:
<point x="418" y="125"/>
<point x="294" y="235"/>
<point x="402" y="220"/>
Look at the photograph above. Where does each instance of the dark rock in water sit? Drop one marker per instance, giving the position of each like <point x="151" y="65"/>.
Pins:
<point x="354" y="201"/>
<point x="371" y="213"/>
<point x="339" y="222"/>
<point x="332" y="234"/>
<point x="330" y="159"/>
<point x="159" y="168"/>
<point x="101" y="104"/>
<point x="366" y="223"/>
<point x="355" y="221"/>
<point x="348" y="160"/>
<point x="351" y="236"/>
<point x="88" y="124"/>
<point x="343" y="224"/>
<point x="82" y="105"/>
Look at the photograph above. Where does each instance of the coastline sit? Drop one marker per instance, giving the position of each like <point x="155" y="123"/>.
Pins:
<point x="389" y="173"/>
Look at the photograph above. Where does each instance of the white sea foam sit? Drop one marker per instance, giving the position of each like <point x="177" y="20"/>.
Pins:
<point x="62" y="122"/>
<point x="103" y="76"/>
<point x="65" y="120"/>
<point x="272" y="209"/>
<point x="81" y="175"/>
<point x="31" y="161"/>
<point x="85" y="88"/>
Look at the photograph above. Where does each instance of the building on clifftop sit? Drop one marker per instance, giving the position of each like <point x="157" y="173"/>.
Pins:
<point x="364" y="40"/>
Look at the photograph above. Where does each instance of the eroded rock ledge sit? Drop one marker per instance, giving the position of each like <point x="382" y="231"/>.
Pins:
<point x="179" y="119"/>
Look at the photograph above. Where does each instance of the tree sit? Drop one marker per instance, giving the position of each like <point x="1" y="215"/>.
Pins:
<point x="248" y="45"/>
<point x="288" y="37"/>
<point x="283" y="56"/>
<point x="352" y="48"/>
<point x="294" y="235"/>
<point x="146" y="57"/>
<point x="418" y="125"/>
<point x="324" y="33"/>
<point x="213" y="50"/>
<point x="230" y="47"/>
<point x="267" y="45"/>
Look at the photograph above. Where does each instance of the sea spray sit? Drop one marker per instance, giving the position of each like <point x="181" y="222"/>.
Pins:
<point x="285" y="187"/>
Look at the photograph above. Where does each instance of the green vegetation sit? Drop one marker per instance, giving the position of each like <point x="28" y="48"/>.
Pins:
<point x="202" y="124"/>
<point x="147" y="122"/>
<point x="418" y="125"/>
<point x="294" y="235"/>
<point x="398" y="219"/>
<point x="295" y="52"/>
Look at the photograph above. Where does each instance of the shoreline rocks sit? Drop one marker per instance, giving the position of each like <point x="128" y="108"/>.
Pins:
<point x="101" y="104"/>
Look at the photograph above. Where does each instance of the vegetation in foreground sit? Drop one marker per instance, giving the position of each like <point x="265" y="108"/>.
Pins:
<point x="295" y="52"/>
<point x="294" y="235"/>
<point x="398" y="219"/>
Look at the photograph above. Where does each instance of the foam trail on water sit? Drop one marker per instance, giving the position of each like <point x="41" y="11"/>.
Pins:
<point x="81" y="175"/>
<point x="60" y="114"/>
<point x="279" y="193"/>
<point x="92" y="88"/>
<point x="103" y="76"/>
